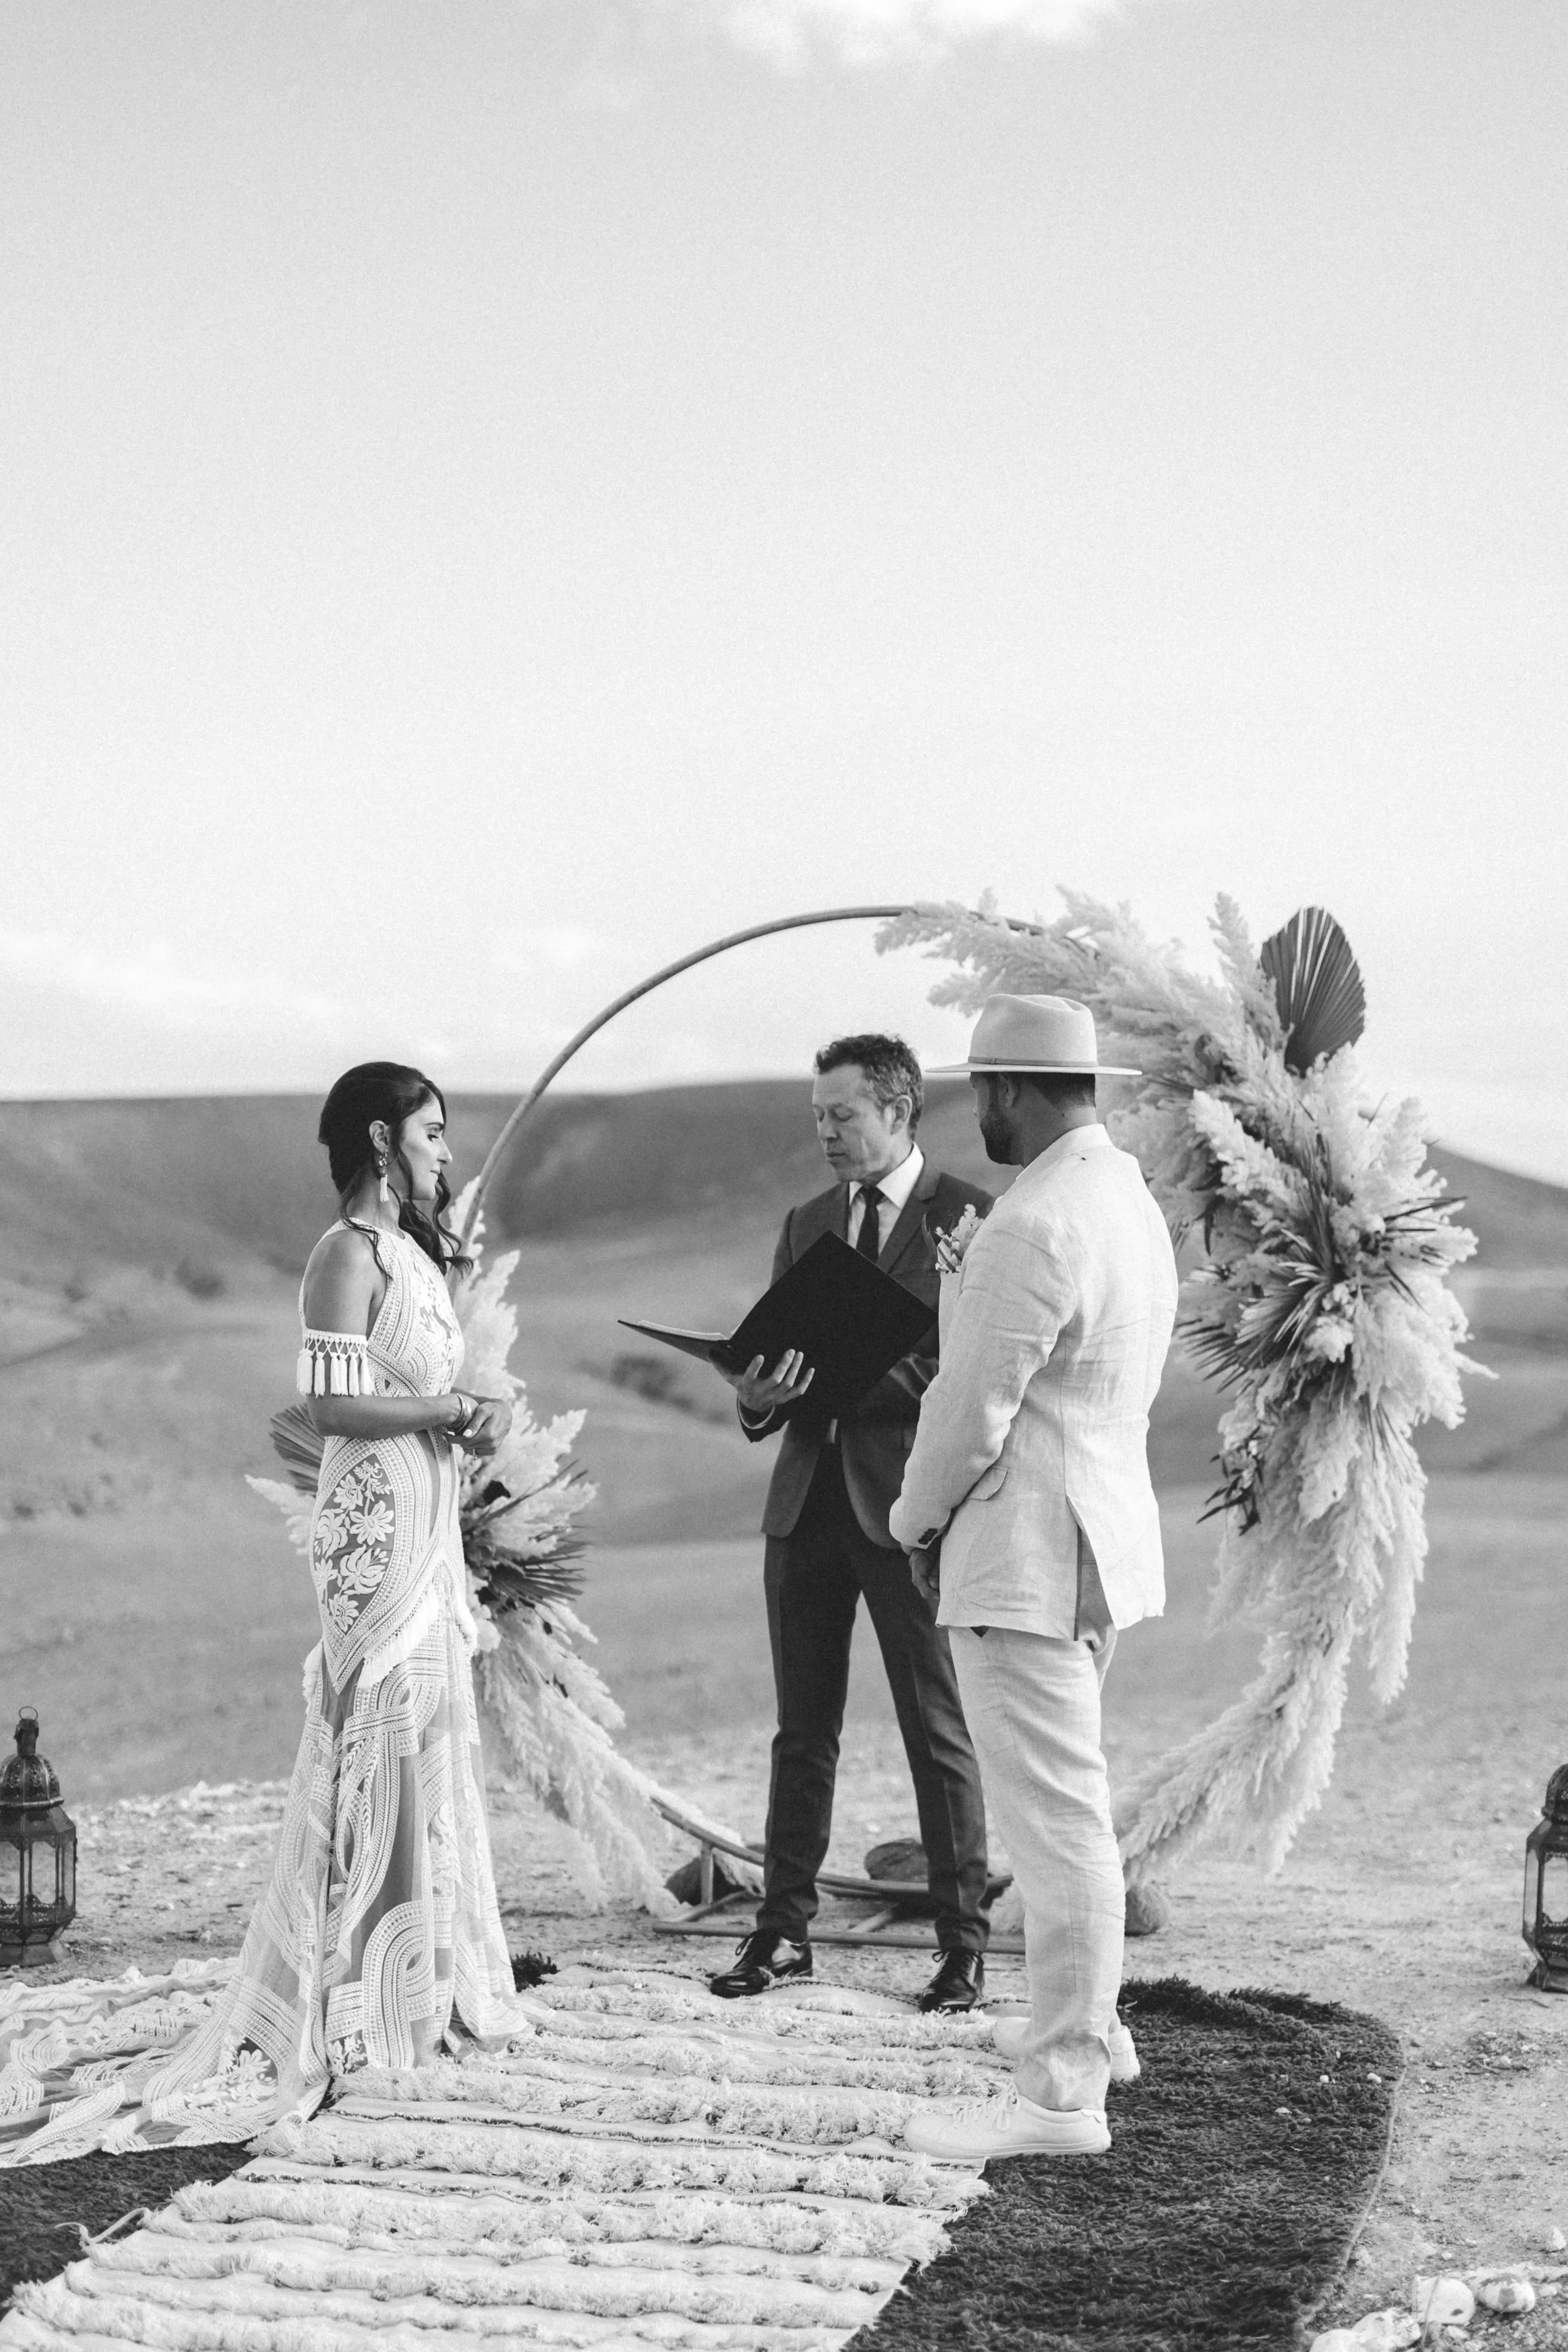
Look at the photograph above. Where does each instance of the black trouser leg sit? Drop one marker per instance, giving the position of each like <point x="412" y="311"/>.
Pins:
<point x="812" y="1595"/>
<point x="948" y="1796"/>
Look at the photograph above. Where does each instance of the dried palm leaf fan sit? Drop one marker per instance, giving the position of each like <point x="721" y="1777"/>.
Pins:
<point x="299" y="1445"/>
<point x="1317" y="986"/>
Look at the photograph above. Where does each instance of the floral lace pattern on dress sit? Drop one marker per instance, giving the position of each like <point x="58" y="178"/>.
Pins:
<point x="243" y="2077"/>
<point x="351" y="1540"/>
<point x="345" y="2052"/>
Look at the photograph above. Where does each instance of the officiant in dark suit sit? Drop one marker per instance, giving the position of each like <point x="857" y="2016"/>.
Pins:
<point x="828" y="1543"/>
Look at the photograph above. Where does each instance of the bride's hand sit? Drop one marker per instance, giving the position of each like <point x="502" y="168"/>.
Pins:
<point x="486" y="1429"/>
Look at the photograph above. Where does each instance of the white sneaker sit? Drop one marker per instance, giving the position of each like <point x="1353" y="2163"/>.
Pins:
<point x="1007" y="2041"/>
<point x="978" y="2128"/>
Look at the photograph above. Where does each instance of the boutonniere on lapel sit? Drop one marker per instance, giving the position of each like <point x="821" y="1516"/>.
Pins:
<point x="952" y="1247"/>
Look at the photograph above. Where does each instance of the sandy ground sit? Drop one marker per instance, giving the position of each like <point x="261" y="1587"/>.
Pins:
<point x="1402" y="1896"/>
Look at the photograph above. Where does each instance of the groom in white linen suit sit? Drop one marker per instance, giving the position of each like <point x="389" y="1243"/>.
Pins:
<point x="1030" y="1472"/>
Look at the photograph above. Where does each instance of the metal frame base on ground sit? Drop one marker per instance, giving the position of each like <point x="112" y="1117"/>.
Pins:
<point x="714" y="1914"/>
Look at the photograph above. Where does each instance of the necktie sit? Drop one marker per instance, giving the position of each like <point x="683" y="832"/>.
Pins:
<point x="869" y="1241"/>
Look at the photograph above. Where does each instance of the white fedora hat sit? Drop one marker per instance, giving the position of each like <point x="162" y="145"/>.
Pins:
<point x="1050" y="1035"/>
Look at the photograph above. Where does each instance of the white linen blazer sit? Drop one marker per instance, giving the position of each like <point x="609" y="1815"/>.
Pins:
<point x="1054" y="1333"/>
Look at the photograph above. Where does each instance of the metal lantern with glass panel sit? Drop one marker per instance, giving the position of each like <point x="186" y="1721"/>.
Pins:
<point x="38" y="1853"/>
<point x="1546" y="1887"/>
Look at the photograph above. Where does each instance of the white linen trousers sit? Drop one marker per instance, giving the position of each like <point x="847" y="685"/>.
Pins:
<point x="1032" y="1704"/>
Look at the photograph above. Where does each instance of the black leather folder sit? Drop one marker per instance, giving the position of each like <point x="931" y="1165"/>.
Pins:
<point x="850" y="1321"/>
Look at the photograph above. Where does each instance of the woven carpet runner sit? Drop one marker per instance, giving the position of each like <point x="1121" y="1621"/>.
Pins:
<point x="649" y="2167"/>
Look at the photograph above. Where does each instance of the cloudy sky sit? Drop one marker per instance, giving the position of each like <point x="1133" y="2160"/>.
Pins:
<point x="496" y="494"/>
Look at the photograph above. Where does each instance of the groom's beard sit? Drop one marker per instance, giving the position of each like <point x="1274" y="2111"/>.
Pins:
<point x="996" y="1134"/>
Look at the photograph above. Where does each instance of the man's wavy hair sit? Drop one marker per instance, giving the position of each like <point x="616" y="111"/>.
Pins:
<point x="393" y="1092"/>
<point x="890" y="1068"/>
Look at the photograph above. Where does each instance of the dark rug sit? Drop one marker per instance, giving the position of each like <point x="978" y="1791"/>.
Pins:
<point x="42" y="2204"/>
<point x="1216" y="2220"/>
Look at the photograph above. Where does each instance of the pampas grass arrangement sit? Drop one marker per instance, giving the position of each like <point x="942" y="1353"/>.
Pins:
<point x="1320" y="1303"/>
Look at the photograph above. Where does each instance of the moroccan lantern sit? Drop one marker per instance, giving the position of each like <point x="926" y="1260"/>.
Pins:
<point x="38" y="1852"/>
<point x="1546" y="1887"/>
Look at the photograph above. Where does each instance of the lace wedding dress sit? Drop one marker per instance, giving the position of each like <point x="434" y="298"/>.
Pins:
<point x="379" y="1933"/>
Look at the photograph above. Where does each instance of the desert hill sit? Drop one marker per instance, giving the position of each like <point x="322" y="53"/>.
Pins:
<point x="150" y="1249"/>
<point x="165" y="1183"/>
<point x="160" y="1183"/>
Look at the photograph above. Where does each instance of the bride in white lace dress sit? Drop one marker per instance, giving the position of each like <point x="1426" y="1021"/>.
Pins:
<point x="379" y="1938"/>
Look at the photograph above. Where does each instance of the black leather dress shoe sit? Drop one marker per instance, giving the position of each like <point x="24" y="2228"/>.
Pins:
<point x="762" y="1959"/>
<point x="958" y="1983"/>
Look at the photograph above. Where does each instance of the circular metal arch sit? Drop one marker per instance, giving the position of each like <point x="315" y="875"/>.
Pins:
<point x="683" y="964"/>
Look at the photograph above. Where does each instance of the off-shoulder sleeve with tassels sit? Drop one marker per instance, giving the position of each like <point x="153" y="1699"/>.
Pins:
<point x="334" y="1363"/>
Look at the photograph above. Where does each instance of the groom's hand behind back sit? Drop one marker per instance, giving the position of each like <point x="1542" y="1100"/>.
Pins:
<point x="925" y="1568"/>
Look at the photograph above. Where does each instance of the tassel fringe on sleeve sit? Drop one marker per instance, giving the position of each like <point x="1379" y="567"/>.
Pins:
<point x="334" y="1363"/>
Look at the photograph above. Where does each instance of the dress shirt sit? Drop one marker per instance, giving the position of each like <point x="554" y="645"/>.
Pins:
<point x="894" y="1188"/>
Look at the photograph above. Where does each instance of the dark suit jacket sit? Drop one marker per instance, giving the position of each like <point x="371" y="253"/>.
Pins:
<point x="875" y="1438"/>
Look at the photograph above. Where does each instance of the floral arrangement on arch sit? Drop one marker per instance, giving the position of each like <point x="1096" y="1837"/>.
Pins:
<point x="1318" y="1299"/>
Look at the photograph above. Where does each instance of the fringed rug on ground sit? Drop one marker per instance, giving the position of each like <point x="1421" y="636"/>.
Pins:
<point x="654" y="2167"/>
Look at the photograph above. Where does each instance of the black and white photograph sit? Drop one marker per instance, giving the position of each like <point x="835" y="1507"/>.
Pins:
<point x="783" y="827"/>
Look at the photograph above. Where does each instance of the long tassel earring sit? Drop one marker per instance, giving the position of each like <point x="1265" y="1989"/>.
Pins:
<point x="385" y="1193"/>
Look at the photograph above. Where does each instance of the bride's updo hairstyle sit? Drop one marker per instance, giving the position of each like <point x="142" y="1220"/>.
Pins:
<point x="393" y="1092"/>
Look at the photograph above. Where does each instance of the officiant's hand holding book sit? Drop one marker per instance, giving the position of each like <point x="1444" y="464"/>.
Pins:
<point x="760" y="1393"/>
<point x="832" y="1324"/>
